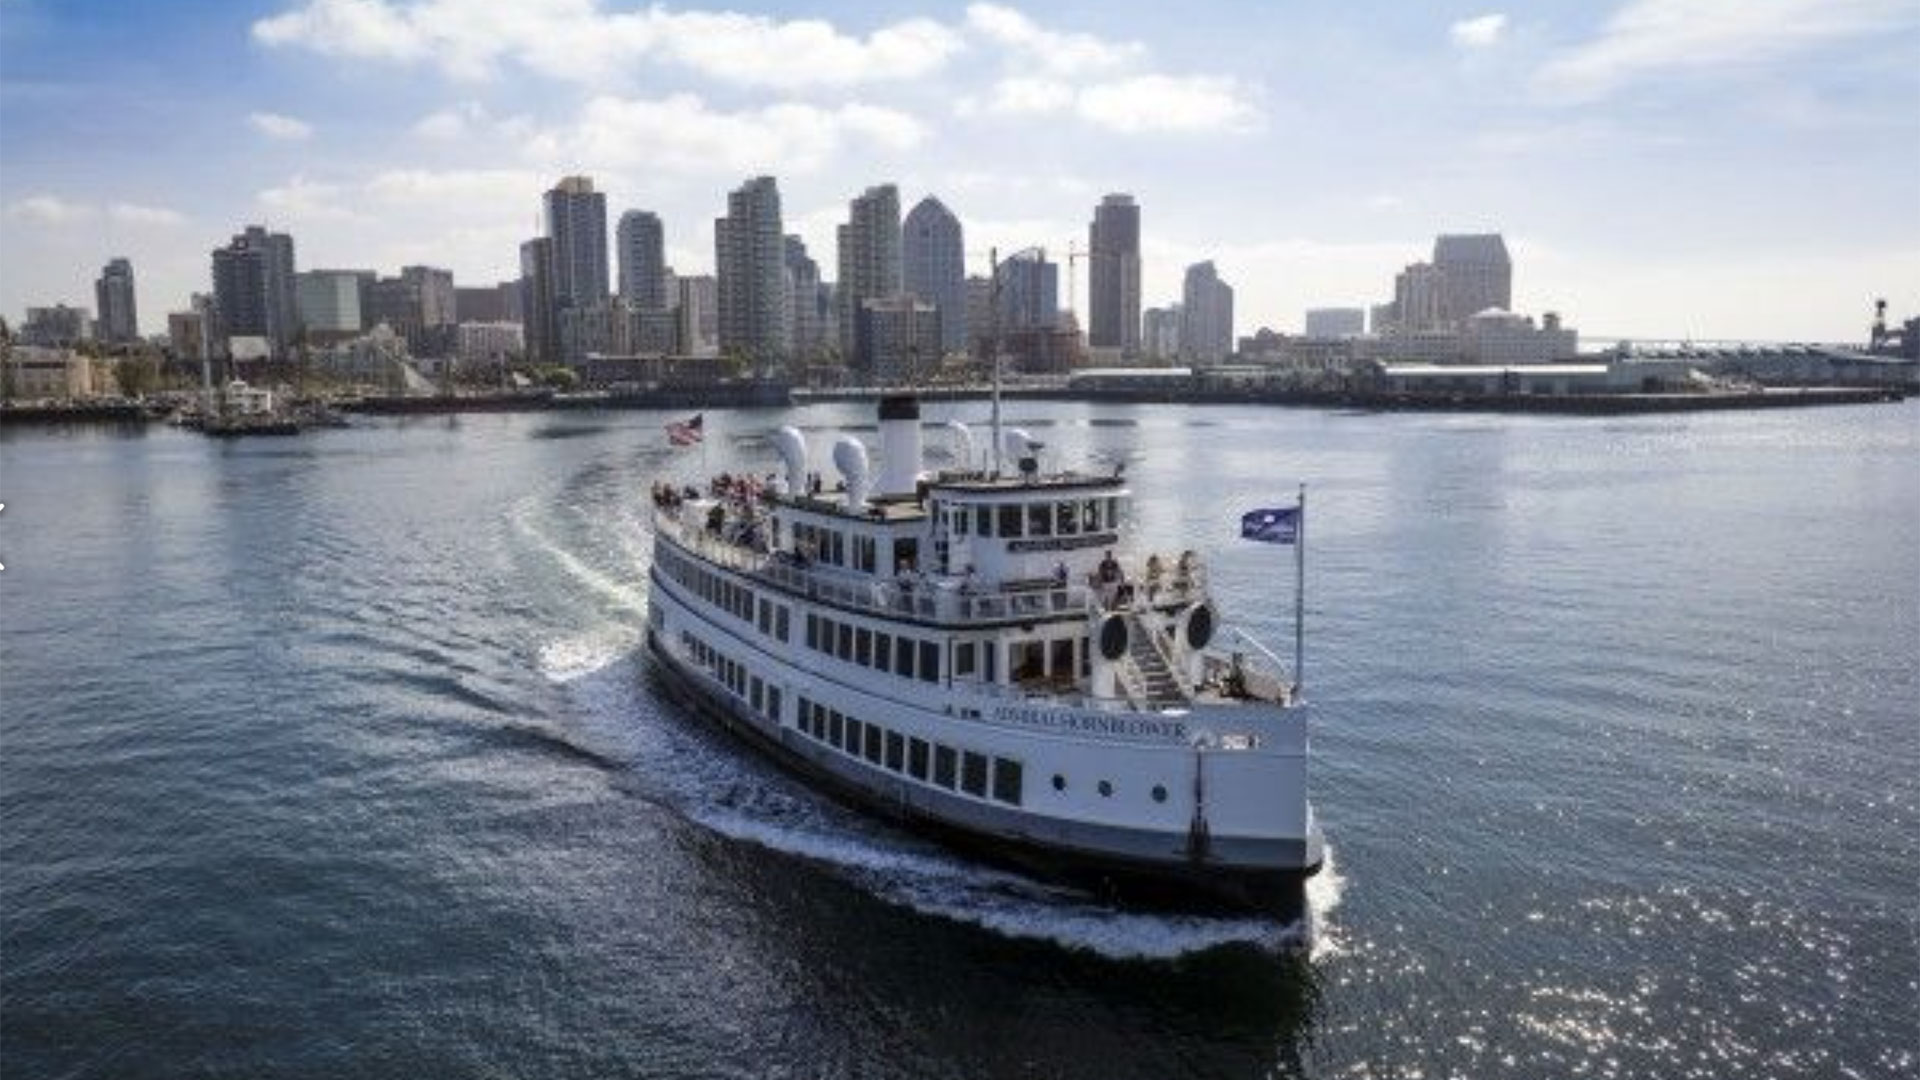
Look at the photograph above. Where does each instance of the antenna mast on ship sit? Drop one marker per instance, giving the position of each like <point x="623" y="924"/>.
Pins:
<point x="993" y="317"/>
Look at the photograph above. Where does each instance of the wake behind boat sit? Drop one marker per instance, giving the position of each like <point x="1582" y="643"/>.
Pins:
<point x="976" y="652"/>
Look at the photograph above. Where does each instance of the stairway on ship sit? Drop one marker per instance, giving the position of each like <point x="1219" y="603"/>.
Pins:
<point x="1156" y="675"/>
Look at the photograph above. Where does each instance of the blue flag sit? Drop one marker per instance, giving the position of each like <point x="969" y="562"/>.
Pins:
<point x="1277" y="526"/>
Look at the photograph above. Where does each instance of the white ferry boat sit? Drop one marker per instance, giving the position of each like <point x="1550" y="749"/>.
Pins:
<point x="976" y="652"/>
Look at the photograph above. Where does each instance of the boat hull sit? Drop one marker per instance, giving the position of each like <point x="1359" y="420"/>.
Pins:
<point x="1161" y="884"/>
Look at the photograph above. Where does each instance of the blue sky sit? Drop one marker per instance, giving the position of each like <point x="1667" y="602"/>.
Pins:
<point x="1661" y="168"/>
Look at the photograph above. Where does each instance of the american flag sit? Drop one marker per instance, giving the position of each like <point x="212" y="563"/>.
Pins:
<point x="687" y="432"/>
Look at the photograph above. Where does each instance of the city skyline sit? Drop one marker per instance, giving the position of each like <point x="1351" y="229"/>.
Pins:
<point x="1645" y="189"/>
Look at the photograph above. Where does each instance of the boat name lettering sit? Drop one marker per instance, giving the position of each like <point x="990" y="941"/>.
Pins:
<point x="1097" y="723"/>
<point x="1064" y="543"/>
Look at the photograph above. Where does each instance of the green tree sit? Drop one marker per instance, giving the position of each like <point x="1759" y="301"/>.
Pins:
<point x="135" y="374"/>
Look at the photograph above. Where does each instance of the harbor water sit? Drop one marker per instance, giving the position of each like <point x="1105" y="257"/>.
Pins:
<point x="337" y="756"/>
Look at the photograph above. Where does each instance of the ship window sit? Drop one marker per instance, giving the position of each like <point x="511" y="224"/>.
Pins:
<point x="930" y="661"/>
<point x="863" y="647"/>
<point x="837" y="548"/>
<point x="1106" y="788"/>
<point x="1062" y="666"/>
<point x="896" y="751"/>
<point x="963" y="659"/>
<point x="1006" y="781"/>
<point x="1159" y="793"/>
<point x="835" y="733"/>
<point x="973" y="774"/>
<point x="873" y="744"/>
<point x="1010" y="521"/>
<point x="961" y="519"/>
<point x="765" y="617"/>
<point x="757" y="696"/>
<point x="882" y="650"/>
<point x="863" y="553"/>
<point x="906" y="555"/>
<point x="851" y="744"/>
<point x="1065" y="521"/>
<point x="1090" y="515"/>
<point x="780" y="627"/>
<point x="845" y="651"/>
<point x="1059" y="782"/>
<point x="983" y="520"/>
<point x="990" y="660"/>
<point x="1027" y="661"/>
<point x="917" y="758"/>
<point x="903" y="659"/>
<point x="1040" y="519"/>
<point x="943" y="762"/>
<point x="813" y="631"/>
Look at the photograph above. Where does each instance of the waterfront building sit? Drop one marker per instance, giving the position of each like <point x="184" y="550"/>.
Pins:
<point x="395" y="301"/>
<point x="1336" y="322"/>
<point x="1495" y="337"/>
<point x="1160" y="336"/>
<point x="589" y="329"/>
<point x="482" y="345"/>
<point x="933" y="254"/>
<point x="541" y="329"/>
<point x="113" y="293"/>
<point x="253" y="288"/>
<point x="642" y="244"/>
<point x="1206" y="314"/>
<point x="434" y="287"/>
<point x="869" y="250"/>
<point x="576" y="217"/>
<point x="804" y="317"/>
<point x="900" y="340"/>
<point x="750" y="260"/>
<point x="1475" y="274"/>
<point x="56" y="326"/>
<point x="1113" y="255"/>
<point x="331" y="302"/>
<point x="36" y="372"/>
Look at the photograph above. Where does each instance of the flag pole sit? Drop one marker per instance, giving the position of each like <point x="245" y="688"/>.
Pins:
<point x="1299" y="593"/>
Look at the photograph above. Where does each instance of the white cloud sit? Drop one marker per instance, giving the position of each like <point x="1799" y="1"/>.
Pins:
<point x="578" y="41"/>
<point x="1478" y="32"/>
<point x="303" y="200"/>
<point x="1056" y="52"/>
<point x="681" y="134"/>
<point x="49" y="210"/>
<point x="1131" y="105"/>
<point x="277" y="126"/>
<point x="458" y="187"/>
<point x="136" y="214"/>
<point x="1649" y="38"/>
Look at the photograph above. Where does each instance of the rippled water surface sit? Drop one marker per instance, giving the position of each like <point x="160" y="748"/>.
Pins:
<point x="335" y="756"/>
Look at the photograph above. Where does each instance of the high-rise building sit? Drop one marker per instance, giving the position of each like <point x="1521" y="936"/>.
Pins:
<point x="395" y="303"/>
<point x="435" y="287"/>
<point x="577" y="225"/>
<point x="979" y="291"/>
<point x="869" y="257"/>
<point x="1206" y="315"/>
<point x="253" y="288"/>
<point x="186" y="334"/>
<point x="698" y="315"/>
<point x="1475" y="275"/>
<point x="56" y="326"/>
<point x="485" y="304"/>
<point x="1029" y="293"/>
<point x="1160" y="336"/>
<point x="933" y="258"/>
<point x="331" y="301"/>
<point x="804" y="338"/>
<point x="1419" y="300"/>
<point x="642" y="245"/>
<point x="750" y="257"/>
<point x="1113" y="252"/>
<point x="119" y="323"/>
<point x="541" y="327"/>
<point x="1335" y="322"/>
<point x="899" y="339"/>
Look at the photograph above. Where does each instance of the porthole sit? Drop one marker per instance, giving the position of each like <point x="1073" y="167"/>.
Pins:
<point x="1059" y="782"/>
<point x="1159" y="793"/>
<point x="1106" y="788"/>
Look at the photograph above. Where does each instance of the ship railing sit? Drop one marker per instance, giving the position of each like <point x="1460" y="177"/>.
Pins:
<point x="925" y="598"/>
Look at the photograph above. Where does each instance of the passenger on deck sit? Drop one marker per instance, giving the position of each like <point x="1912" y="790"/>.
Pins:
<point x="1110" y="579"/>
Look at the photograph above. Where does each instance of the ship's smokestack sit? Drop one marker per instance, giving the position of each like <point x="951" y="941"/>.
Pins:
<point x="792" y="447"/>
<point x="899" y="444"/>
<point x="850" y="457"/>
